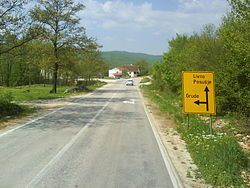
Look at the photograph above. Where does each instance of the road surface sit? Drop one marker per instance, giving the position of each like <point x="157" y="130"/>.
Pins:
<point x="103" y="139"/>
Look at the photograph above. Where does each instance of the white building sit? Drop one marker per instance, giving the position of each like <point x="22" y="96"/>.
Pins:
<point x="130" y="70"/>
<point x="115" y="72"/>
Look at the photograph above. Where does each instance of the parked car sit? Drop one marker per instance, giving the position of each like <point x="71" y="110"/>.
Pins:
<point x="129" y="82"/>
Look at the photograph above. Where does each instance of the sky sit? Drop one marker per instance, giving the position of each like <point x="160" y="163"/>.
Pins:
<point x="146" y="26"/>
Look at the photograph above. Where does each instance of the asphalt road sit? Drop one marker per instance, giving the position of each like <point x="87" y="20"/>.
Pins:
<point x="100" y="140"/>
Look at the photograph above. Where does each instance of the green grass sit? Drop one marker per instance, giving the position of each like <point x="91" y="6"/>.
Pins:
<point x="145" y="80"/>
<point x="27" y="93"/>
<point x="33" y="92"/>
<point x="219" y="157"/>
<point x="96" y="85"/>
<point x="8" y="108"/>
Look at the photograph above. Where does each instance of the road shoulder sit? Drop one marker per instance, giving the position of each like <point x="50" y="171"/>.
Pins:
<point x="42" y="107"/>
<point x="175" y="146"/>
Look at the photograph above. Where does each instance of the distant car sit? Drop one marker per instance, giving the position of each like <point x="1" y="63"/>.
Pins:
<point x="129" y="82"/>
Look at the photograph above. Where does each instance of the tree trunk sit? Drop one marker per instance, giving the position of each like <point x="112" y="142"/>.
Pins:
<point x="89" y="78"/>
<point x="8" y="74"/>
<point x="55" y="73"/>
<point x="55" y="68"/>
<point x="29" y="74"/>
<point x="67" y="80"/>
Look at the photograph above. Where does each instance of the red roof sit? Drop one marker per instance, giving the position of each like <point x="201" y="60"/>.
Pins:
<point x="117" y="74"/>
<point x="129" y="68"/>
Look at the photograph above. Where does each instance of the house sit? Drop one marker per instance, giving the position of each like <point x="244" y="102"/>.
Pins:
<point x="115" y="73"/>
<point x="130" y="70"/>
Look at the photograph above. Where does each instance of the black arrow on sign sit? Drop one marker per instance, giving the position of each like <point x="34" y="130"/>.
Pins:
<point x="202" y="102"/>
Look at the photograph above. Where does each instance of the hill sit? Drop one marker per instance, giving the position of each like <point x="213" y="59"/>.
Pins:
<point x="118" y="58"/>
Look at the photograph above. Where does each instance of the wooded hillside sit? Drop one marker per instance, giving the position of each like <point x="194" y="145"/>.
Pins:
<point x="119" y="58"/>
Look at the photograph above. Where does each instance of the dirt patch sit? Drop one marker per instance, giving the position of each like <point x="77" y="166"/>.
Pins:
<point x="14" y="121"/>
<point x="176" y="148"/>
<point x="42" y="107"/>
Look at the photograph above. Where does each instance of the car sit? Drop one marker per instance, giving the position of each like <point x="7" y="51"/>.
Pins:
<point x="129" y="82"/>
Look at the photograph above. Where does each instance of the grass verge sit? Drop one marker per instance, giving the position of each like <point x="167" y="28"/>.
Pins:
<point x="34" y="92"/>
<point x="10" y="109"/>
<point x="145" y="80"/>
<point x="219" y="157"/>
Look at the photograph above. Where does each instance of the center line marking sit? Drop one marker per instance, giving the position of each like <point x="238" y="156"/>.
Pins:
<point x="44" y="170"/>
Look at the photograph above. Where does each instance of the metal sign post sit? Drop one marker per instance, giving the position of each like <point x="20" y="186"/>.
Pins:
<point x="188" y="120"/>
<point x="198" y="93"/>
<point x="211" y="124"/>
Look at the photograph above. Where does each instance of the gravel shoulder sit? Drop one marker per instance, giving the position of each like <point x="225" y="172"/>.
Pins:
<point x="41" y="107"/>
<point x="176" y="147"/>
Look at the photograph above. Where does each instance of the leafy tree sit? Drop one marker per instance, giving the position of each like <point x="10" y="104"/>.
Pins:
<point x="61" y="25"/>
<point x="224" y="50"/>
<point x="144" y="66"/>
<point x="17" y="67"/>
<point x="8" y="60"/>
<point x="92" y="64"/>
<point x="41" y="55"/>
<point x="158" y="72"/>
<point x="69" y="69"/>
<point x="15" y="21"/>
<point x="10" y="15"/>
<point x="240" y="9"/>
<point x="235" y="79"/>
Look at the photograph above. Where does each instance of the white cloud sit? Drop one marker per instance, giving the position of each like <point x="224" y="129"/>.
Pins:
<point x="125" y="16"/>
<point x="131" y="39"/>
<point x="203" y="6"/>
<point x="120" y="14"/>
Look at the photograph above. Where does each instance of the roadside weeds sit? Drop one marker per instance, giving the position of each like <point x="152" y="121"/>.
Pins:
<point x="176" y="147"/>
<point x="220" y="159"/>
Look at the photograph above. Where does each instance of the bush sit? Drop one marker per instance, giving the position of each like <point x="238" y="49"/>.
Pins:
<point x="85" y="83"/>
<point x="7" y="108"/>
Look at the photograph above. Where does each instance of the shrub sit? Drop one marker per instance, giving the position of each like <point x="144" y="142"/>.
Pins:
<point x="7" y="108"/>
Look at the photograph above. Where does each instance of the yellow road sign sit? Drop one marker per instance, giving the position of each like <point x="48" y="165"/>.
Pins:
<point x="198" y="92"/>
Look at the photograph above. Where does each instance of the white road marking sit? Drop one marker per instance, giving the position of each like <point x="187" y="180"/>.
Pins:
<point x="46" y="168"/>
<point x="131" y="101"/>
<point x="29" y="122"/>
<point x="41" y="117"/>
<point x="168" y="163"/>
<point x="128" y="102"/>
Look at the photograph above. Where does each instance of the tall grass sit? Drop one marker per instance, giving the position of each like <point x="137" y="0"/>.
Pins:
<point x="219" y="157"/>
